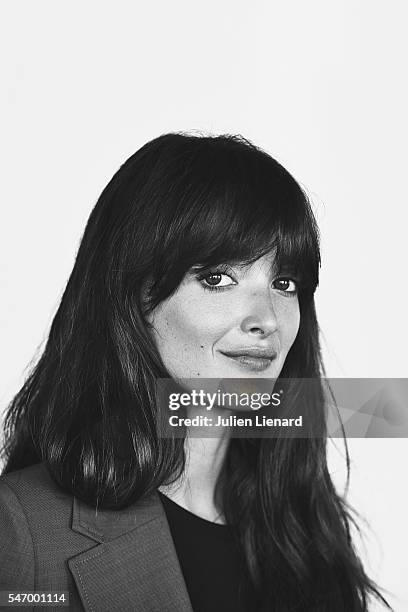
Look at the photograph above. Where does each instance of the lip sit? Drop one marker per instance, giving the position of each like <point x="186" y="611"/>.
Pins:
<point x="256" y="359"/>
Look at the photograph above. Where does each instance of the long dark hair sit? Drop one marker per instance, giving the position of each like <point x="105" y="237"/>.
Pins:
<point x="88" y="408"/>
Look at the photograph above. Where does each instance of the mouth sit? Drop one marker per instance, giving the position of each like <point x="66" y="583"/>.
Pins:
<point x="254" y="359"/>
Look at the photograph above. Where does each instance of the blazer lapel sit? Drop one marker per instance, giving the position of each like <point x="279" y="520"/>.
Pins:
<point x="134" y="566"/>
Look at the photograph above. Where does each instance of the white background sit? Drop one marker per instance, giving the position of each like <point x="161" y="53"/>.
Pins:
<point x="320" y="85"/>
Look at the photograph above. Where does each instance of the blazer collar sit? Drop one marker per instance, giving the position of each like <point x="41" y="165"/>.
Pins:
<point x="134" y="566"/>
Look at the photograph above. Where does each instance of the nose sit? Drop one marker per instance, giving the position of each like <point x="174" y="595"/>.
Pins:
<point x="261" y="320"/>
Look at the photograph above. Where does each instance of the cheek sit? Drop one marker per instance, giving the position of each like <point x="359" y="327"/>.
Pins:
<point x="193" y="319"/>
<point x="186" y="329"/>
<point x="185" y="333"/>
<point x="289" y="323"/>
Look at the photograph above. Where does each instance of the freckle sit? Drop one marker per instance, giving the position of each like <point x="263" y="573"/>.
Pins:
<point x="201" y="345"/>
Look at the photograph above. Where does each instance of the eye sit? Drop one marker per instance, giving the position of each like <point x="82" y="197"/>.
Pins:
<point x="215" y="280"/>
<point x="219" y="278"/>
<point x="286" y="285"/>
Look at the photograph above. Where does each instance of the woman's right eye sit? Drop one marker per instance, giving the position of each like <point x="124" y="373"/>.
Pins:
<point x="216" y="280"/>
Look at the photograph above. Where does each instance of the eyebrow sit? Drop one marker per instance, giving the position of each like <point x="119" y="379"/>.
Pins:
<point x="211" y="266"/>
<point x="230" y="263"/>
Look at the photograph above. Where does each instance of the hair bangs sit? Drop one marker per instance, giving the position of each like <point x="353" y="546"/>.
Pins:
<point x="242" y="230"/>
<point x="239" y="208"/>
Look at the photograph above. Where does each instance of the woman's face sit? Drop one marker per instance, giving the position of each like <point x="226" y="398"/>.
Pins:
<point x="232" y="322"/>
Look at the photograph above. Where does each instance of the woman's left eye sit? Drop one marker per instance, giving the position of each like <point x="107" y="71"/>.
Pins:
<point x="285" y="284"/>
<point x="216" y="280"/>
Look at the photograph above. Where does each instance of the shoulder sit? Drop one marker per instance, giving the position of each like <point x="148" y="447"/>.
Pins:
<point x="42" y="523"/>
<point x="17" y="494"/>
<point x="35" y="516"/>
<point x="34" y="497"/>
<point x="34" y="486"/>
<point x="35" y="492"/>
<point x="50" y="540"/>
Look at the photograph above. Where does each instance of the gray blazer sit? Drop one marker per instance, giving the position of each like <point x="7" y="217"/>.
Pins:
<point x="107" y="560"/>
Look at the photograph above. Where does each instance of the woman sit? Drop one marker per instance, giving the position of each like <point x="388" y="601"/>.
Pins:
<point x="200" y="259"/>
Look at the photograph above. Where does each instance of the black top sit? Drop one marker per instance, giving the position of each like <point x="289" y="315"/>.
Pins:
<point x="212" y="565"/>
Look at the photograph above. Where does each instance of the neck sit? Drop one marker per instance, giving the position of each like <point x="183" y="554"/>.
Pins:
<point x="195" y="490"/>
